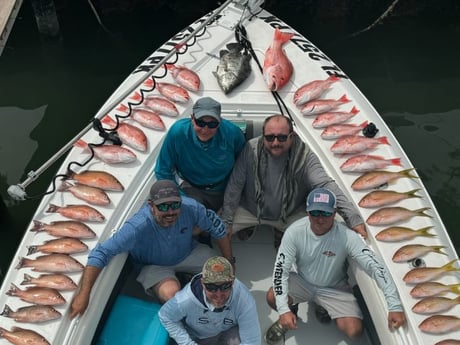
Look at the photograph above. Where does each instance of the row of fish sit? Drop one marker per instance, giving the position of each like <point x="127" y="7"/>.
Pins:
<point x="348" y="141"/>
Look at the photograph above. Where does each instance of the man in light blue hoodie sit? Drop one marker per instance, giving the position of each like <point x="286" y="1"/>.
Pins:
<point x="215" y="308"/>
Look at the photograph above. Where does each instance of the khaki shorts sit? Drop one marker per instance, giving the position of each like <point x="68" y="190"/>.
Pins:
<point x="151" y="275"/>
<point x="339" y="302"/>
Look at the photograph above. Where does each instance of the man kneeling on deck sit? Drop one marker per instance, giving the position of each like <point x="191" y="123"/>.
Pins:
<point x="158" y="237"/>
<point x="213" y="309"/>
<point x="319" y="246"/>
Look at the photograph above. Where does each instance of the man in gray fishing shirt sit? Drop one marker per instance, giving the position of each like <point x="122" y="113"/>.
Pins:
<point x="270" y="179"/>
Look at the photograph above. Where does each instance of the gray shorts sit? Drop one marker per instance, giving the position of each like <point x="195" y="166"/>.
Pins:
<point x="339" y="302"/>
<point x="151" y="275"/>
<point x="209" y="198"/>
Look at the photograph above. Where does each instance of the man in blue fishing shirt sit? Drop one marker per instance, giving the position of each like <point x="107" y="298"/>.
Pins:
<point x="201" y="151"/>
<point x="159" y="237"/>
<point x="215" y="308"/>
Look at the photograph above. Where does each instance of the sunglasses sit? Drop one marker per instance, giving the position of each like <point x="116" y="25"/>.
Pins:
<point x="317" y="213"/>
<point x="209" y="124"/>
<point x="214" y="287"/>
<point x="281" y="137"/>
<point x="165" y="207"/>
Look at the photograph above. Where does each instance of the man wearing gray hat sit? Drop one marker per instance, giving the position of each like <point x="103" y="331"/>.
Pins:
<point x="201" y="151"/>
<point x="215" y="308"/>
<point x="319" y="247"/>
<point x="159" y="239"/>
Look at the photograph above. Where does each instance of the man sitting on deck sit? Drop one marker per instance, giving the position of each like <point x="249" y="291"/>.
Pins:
<point x="159" y="238"/>
<point x="319" y="246"/>
<point x="270" y="179"/>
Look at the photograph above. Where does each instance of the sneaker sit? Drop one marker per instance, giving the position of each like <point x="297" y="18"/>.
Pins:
<point x="246" y="233"/>
<point x="275" y="334"/>
<point x="322" y="315"/>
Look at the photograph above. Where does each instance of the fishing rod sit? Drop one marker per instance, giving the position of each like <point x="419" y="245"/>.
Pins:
<point x="17" y="191"/>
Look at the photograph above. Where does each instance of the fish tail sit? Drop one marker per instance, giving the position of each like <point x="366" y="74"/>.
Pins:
<point x="396" y="161"/>
<point x="80" y="143"/>
<point x="420" y="212"/>
<point x="438" y="249"/>
<point x="38" y="226"/>
<point x="344" y="99"/>
<point x="108" y="120"/>
<point x="31" y="250"/>
<point x="170" y="66"/>
<point x="333" y="78"/>
<point x="411" y="194"/>
<point x="21" y="263"/>
<point x="424" y="232"/>
<point x="64" y="186"/>
<point x="148" y="83"/>
<point x="27" y="279"/>
<point x="383" y="140"/>
<point x="355" y="111"/>
<point x="282" y="37"/>
<point x="7" y="310"/>
<point x="407" y="173"/>
<point x="136" y="96"/>
<point x="52" y="208"/>
<point x="455" y="289"/>
<point x="13" y="290"/>
<point x="122" y="107"/>
<point x="450" y="266"/>
<point x="364" y="124"/>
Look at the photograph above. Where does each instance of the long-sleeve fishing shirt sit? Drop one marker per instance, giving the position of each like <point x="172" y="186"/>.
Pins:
<point x="321" y="261"/>
<point x="151" y="244"/>
<point x="203" y="164"/>
<point x="188" y="317"/>
<point x="303" y="172"/>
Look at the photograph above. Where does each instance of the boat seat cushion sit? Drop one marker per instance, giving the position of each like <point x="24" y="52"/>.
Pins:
<point x="133" y="321"/>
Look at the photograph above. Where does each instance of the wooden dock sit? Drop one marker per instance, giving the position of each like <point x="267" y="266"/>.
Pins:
<point x="8" y="11"/>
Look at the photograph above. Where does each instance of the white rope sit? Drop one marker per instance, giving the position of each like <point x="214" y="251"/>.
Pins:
<point x="379" y="19"/>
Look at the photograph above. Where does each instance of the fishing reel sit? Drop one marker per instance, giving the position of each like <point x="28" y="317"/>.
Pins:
<point x="111" y="135"/>
<point x="370" y="130"/>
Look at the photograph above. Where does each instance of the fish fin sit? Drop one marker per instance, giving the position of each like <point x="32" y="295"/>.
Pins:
<point x="80" y="143"/>
<point x="411" y="193"/>
<point x="333" y="78"/>
<point x="148" y="83"/>
<point x="450" y="266"/>
<point x="64" y="186"/>
<point x="108" y="120"/>
<point x="282" y="37"/>
<point x="384" y="140"/>
<point x="137" y="97"/>
<point x="438" y="249"/>
<point x="27" y="279"/>
<point x="52" y="208"/>
<point x="38" y="226"/>
<point x="364" y="124"/>
<point x="7" y="310"/>
<point x="13" y="289"/>
<point x="396" y="161"/>
<point x="424" y="232"/>
<point x="421" y="211"/>
<point x="407" y="173"/>
<point x="31" y="250"/>
<point x="344" y="99"/>
<point x="355" y="110"/>
<point x="122" y="107"/>
<point x="455" y="289"/>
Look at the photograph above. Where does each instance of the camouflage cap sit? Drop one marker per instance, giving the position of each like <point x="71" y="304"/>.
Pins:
<point x="217" y="270"/>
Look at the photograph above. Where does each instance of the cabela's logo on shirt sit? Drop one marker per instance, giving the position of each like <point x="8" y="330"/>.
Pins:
<point x="328" y="253"/>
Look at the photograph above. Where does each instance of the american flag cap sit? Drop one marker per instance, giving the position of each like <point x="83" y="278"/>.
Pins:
<point x="321" y="199"/>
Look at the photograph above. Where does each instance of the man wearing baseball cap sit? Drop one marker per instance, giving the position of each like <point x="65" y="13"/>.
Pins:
<point x="320" y="246"/>
<point x="159" y="238"/>
<point x="215" y="308"/>
<point x="199" y="152"/>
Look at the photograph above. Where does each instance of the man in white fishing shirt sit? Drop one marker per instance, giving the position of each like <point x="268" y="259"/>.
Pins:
<point x="319" y="246"/>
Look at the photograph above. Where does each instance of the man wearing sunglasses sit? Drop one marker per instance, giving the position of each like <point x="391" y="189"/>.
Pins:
<point x="320" y="247"/>
<point x="201" y="151"/>
<point x="215" y="308"/>
<point x="159" y="239"/>
<point x="270" y="179"/>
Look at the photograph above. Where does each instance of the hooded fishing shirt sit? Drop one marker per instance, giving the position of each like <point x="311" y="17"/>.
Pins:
<point x="188" y="316"/>
<point x="302" y="171"/>
<point x="151" y="244"/>
<point x="203" y="164"/>
<point x="322" y="261"/>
